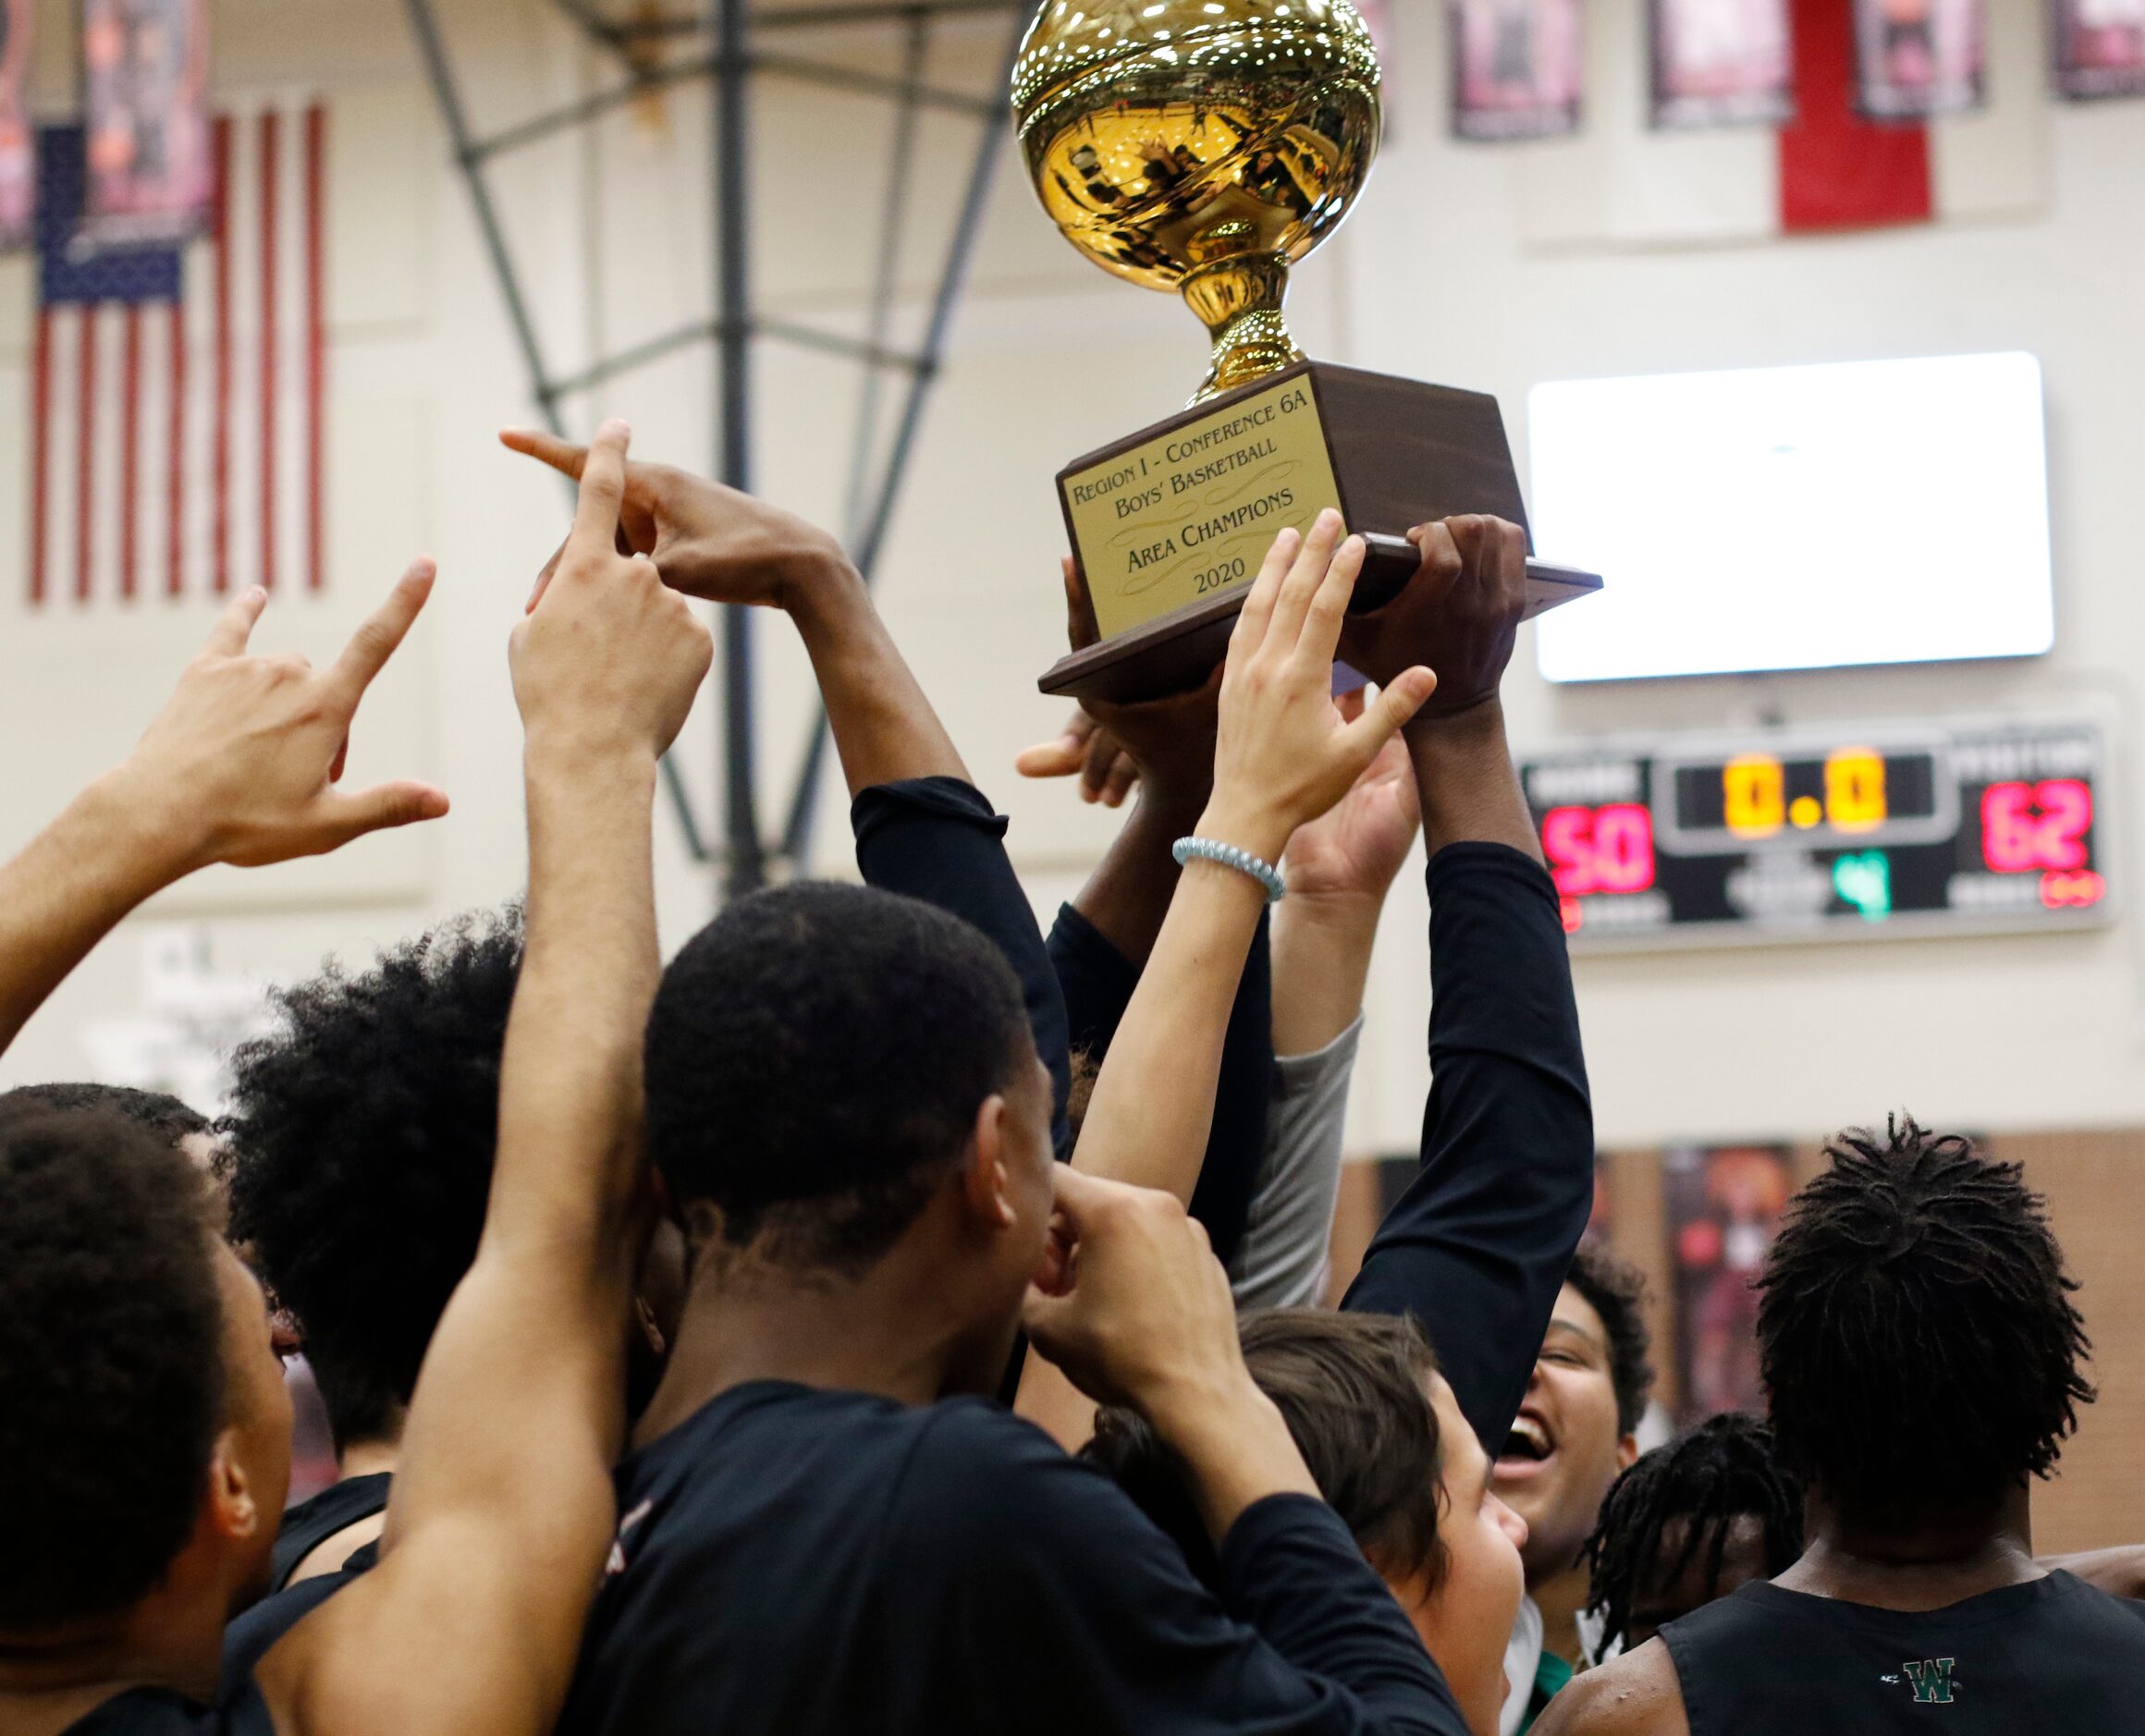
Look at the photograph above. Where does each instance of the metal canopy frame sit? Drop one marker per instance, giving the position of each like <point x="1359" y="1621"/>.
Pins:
<point x="731" y="61"/>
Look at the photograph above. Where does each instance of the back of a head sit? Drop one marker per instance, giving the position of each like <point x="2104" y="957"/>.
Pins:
<point x="362" y="1143"/>
<point x="1616" y="1290"/>
<point x="815" y="1060"/>
<point x="1725" y="1469"/>
<point x="1916" y="1333"/>
<point x="158" y="1111"/>
<point x="1353" y="1390"/>
<point x="111" y="1361"/>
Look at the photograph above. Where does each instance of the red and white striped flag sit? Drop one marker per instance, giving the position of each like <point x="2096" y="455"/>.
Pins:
<point x="179" y="395"/>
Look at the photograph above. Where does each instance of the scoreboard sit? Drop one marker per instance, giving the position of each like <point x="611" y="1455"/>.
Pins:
<point x="1854" y="832"/>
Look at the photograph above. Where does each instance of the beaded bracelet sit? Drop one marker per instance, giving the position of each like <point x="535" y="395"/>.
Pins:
<point x="1229" y="856"/>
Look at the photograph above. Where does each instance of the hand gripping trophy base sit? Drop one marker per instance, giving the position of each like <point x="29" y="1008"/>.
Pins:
<point x="1239" y="301"/>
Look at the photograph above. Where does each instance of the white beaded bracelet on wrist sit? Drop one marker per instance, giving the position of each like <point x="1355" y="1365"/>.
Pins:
<point x="1231" y="856"/>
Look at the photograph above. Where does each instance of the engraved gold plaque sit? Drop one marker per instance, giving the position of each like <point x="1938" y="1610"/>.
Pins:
<point x="1191" y="512"/>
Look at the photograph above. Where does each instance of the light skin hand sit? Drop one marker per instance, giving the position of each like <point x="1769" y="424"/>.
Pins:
<point x="243" y="764"/>
<point x="1135" y="1310"/>
<point x="1282" y="756"/>
<point x="707" y="540"/>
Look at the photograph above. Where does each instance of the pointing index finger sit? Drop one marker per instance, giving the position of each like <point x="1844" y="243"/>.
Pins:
<point x="566" y="457"/>
<point x="603" y="492"/>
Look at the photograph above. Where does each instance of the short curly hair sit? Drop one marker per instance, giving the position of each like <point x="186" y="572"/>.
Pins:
<point x="158" y="1111"/>
<point x="1616" y="1291"/>
<point x="111" y="1361"/>
<point x="816" y="1058"/>
<point x="1915" y="1335"/>
<point x="361" y="1140"/>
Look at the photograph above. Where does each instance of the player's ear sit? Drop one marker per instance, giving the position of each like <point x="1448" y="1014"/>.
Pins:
<point x="985" y="1183"/>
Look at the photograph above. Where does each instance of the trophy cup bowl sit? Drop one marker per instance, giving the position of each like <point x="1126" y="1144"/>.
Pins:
<point x="1202" y="146"/>
<point x="1205" y="146"/>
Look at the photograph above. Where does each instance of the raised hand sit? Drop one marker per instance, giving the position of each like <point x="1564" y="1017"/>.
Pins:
<point x="609" y="658"/>
<point x="1132" y="1303"/>
<point x="1460" y="612"/>
<point x="1355" y="851"/>
<point x="244" y="761"/>
<point x="707" y="540"/>
<point x="1282" y="754"/>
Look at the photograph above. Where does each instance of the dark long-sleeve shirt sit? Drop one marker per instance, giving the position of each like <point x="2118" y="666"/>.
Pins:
<point x="1099" y="982"/>
<point x="820" y="1563"/>
<point x="1479" y="1245"/>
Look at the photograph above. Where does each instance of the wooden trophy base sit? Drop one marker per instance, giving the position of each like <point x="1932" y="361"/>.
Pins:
<point x="1172" y="524"/>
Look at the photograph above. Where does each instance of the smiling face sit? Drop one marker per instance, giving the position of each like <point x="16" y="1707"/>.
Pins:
<point x="1564" y="1449"/>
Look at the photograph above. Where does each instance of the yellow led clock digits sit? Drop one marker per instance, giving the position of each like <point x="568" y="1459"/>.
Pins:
<point x="1754" y="794"/>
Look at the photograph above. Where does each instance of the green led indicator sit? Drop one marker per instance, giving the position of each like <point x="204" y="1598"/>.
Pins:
<point x="1864" y="880"/>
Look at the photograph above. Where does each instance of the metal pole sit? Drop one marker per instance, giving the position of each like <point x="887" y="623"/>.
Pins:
<point x="466" y="158"/>
<point x="960" y="250"/>
<point x="747" y="868"/>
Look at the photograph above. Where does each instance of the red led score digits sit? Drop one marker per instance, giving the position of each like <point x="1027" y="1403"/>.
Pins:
<point x="1599" y="850"/>
<point x="2029" y="829"/>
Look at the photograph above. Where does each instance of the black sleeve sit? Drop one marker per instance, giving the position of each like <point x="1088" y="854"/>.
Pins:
<point x="937" y="839"/>
<point x="1479" y="1245"/>
<point x="1062" y="1608"/>
<point x="1099" y="981"/>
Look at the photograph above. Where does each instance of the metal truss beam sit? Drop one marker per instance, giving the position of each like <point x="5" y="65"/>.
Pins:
<point x="730" y="63"/>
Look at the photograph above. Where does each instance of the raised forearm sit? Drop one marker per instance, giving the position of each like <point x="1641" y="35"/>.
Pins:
<point x="1466" y="781"/>
<point x="106" y="852"/>
<point x="1147" y="1123"/>
<point x="1321" y="961"/>
<point x="884" y="728"/>
<point x="570" y="1119"/>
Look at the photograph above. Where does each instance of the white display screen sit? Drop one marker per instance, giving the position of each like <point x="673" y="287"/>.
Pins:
<point x="1794" y="518"/>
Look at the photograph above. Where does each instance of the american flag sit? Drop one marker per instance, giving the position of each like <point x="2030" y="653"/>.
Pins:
<point x="179" y="393"/>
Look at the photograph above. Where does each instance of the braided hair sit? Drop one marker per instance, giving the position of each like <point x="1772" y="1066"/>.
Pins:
<point x="1916" y="1340"/>
<point x="1724" y="1470"/>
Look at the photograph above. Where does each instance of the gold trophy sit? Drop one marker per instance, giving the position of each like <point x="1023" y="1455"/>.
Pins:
<point x="1205" y="146"/>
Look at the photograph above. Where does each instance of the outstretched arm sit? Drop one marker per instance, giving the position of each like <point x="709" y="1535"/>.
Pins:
<point x="922" y="828"/>
<point x="1281" y="757"/>
<point x="1479" y="1245"/>
<point x="502" y="1508"/>
<point x="241" y="766"/>
<point x="1163" y="749"/>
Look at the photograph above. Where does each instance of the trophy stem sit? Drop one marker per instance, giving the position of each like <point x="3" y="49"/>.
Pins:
<point x="1239" y="301"/>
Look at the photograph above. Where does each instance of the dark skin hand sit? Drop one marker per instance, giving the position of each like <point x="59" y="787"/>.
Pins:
<point x="1460" y="614"/>
<point x="1165" y="746"/>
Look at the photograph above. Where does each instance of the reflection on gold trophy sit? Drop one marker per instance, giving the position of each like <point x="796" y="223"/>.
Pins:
<point x="1205" y="146"/>
<point x="1202" y="146"/>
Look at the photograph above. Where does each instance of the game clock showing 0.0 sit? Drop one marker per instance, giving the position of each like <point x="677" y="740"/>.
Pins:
<point x="1883" y="830"/>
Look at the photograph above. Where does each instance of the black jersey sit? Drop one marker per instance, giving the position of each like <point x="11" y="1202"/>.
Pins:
<point x="312" y="1523"/>
<point x="160" y="1712"/>
<point x="793" y="1563"/>
<point x="2051" y="1657"/>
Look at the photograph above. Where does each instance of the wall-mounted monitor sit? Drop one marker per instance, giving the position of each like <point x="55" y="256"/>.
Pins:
<point x="1869" y="512"/>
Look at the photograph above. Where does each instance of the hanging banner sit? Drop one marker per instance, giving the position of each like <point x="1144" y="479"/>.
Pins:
<point x="1724" y="1204"/>
<point x="1518" y="68"/>
<point x="2100" y="48"/>
<point x="1721" y="63"/>
<point x="17" y="142"/>
<point x="1920" y="57"/>
<point x="145" y="114"/>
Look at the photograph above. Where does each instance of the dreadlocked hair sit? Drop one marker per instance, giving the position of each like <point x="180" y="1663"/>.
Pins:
<point x="1724" y="1470"/>
<point x="1915" y="1335"/>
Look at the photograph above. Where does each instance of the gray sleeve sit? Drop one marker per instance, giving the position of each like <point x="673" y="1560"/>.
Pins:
<point x="1281" y="1261"/>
